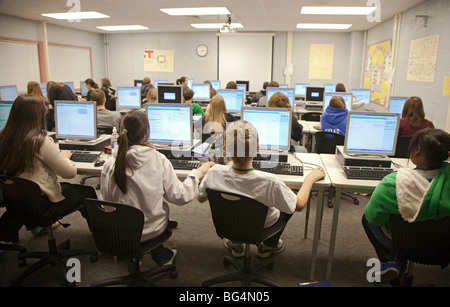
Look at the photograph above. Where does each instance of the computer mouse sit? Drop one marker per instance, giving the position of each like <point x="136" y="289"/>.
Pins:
<point x="99" y="163"/>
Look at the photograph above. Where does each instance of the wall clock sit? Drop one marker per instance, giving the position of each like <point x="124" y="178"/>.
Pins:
<point x="202" y="50"/>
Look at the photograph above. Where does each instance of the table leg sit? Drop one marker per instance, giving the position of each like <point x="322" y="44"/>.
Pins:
<point x="337" y="203"/>
<point x="317" y="229"/>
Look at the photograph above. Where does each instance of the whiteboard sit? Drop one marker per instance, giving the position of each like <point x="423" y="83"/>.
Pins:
<point x="69" y="64"/>
<point x="19" y="64"/>
<point x="246" y="56"/>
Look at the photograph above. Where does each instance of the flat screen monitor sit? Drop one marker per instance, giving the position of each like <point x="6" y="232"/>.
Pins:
<point x="8" y="92"/>
<point x="234" y="99"/>
<point x="246" y="83"/>
<point x="289" y="92"/>
<point x="283" y="86"/>
<point x="190" y="82"/>
<point x="362" y="94"/>
<point x="314" y="94"/>
<point x="272" y="124"/>
<point x="128" y="98"/>
<point x="43" y="87"/>
<point x="76" y="120"/>
<point x="138" y="83"/>
<point x="348" y="97"/>
<point x="300" y="89"/>
<point x="370" y="133"/>
<point x="71" y="85"/>
<point x="156" y="82"/>
<point x="241" y="87"/>
<point x="83" y="89"/>
<point x="5" y="109"/>
<point x="201" y="91"/>
<point x="215" y="84"/>
<point x="170" y="124"/>
<point x="396" y="104"/>
<point x="330" y="87"/>
<point x="170" y="93"/>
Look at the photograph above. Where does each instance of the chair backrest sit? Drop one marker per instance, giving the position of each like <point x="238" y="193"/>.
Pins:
<point x="22" y="198"/>
<point x="326" y="142"/>
<point x="117" y="228"/>
<point x="236" y="217"/>
<point x="312" y="116"/>
<point x="401" y="150"/>
<point x="425" y="242"/>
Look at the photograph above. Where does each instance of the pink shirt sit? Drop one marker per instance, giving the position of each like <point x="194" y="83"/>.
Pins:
<point x="406" y="130"/>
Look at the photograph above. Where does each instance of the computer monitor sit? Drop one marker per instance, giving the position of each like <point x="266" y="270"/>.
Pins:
<point x="201" y="91"/>
<point x="138" y="83"/>
<point x="170" y="124"/>
<point x="289" y="92"/>
<point x="234" y="99"/>
<point x="362" y="94"/>
<point x="246" y="83"/>
<point x="76" y="120"/>
<point x="329" y="87"/>
<point x="369" y="133"/>
<point x="71" y="85"/>
<point x="241" y="87"/>
<point x="83" y="89"/>
<point x="347" y="98"/>
<point x="215" y="84"/>
<point x="300" y="89"/>
<point x="8" y="92"/>
<point x="283" y="86"/>
<point x="314" y="94"/>
<point x="155" y="83"/>
<point x="190" y="82"/>
<point x="396" y="104"/>
<point x="273" y="126"/>
<point x="5" y="109"/>
<point x="170" y="93"/>
<point x="128" y="98"/>
<point x="43" y="87"/>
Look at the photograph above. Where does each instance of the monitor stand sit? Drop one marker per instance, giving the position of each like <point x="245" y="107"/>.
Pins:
<point x="361" y="160"/>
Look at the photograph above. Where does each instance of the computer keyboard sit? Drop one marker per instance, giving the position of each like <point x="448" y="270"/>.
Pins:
<point x="85" y="156"/>
<point x="281" y="168"/>
<point x="185" y="164"/>
<point x="364" y="172"/>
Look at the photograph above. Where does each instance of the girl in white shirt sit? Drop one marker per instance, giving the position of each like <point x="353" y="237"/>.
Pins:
<point x="139" y="176"/>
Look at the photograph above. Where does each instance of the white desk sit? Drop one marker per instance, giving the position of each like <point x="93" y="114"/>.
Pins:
<point x="342" y="184"/>
<point x="309" y="130"/>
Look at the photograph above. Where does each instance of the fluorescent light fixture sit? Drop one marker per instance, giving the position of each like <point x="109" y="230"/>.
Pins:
<point x="76" y="15"/>
<point x="122" y="28"/>
<point x="214" y="25"/>
<point x="324" y="26"/>
<point x="194" y="11"/>
<point x="338" y="10"/>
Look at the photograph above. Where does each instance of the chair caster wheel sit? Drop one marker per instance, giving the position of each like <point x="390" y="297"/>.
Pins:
<point x="330" y="205"/>
<point x="356" y="202"/>
<point x="173" y="274"/>
<point x="93" y="258"/>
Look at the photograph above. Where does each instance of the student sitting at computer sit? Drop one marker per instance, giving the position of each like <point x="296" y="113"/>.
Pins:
<point x="264" y="187"/>
<point x="188" y="95"/>
<point x="334" y="117"/>
<point x="34" y="89"/>
<point x="106" y="86"/>
<point x="152" y="96"/>
<point x="90" y="85"/>
<point x="57" y="91"/>
<point x="231" y="85"/>
<point x="184" y="82"/>
<point x="262" y="102"/>
<point x="27" y="152"/>
<point x="146" y="86"/>
<point x="105" y="118"/>
<point x="416" y="194"/>
<point x="212" y="90"/>
<point x="413" y="117"/>
<point x="280" y="100"/>
<point x="140" y="176"/>
<point x="261" y="93"/>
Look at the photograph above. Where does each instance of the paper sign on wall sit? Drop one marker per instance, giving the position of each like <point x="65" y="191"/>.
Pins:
<point x="321" y="61"/>
<point x="422" y="59"/>
<point x="446" y="91"/>
<point x="159" y="60"/>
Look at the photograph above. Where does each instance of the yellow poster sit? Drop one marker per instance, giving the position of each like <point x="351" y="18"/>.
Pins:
<point x="446" y="91"/>
<point x="321" y="61"/>
<point x="159" y="60"/>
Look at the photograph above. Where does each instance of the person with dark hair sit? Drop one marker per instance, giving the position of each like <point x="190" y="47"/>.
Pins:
<point x="416" y="194"/>
<point x="184" y="82"/>
<point x="140" y="176"/>
<point x="232" y="85"/>
<point x="146" y="86"/>
<point x="27" y="152"/>
<point x="340" y="88"/>
<point x="110" y="93"/>
<point x="90" y="85"/>
<point x="261" y="93"/>
<point x="57" y="91"/>
<point x="413" y="117"/>
<point x="188" y="95"/>
<point x="105" y="118"/>
<point x="262" y="102"/>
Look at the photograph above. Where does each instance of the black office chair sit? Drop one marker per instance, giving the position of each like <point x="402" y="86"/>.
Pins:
<point x="23" y="200"/>
<point x="425" y="242"/>
<point x="312" y="116"/>
<point x="401" y="150"/>
<point x="326" y="143"/>
<point x="241" y="219"/>
<point x="117" y="230"/>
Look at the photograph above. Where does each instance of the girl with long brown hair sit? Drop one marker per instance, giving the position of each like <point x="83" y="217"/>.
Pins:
<point x="34" y="89"/>
<point x="413" y="117"/>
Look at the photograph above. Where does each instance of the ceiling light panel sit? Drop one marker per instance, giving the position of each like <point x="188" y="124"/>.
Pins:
<point x="338" y="10"/>
<point x="323" y="26"/>
<point x="122" y="28"/>
<point x="214" y="25"/>
<point x="196" y="11"/>
<point x="76" y="15"/>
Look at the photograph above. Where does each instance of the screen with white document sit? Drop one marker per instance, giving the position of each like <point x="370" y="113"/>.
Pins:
<point x="289" y="92"/>
<point x="347" y="98"/>
<point x="233" y="99"/>
<point x="76" y="120"/>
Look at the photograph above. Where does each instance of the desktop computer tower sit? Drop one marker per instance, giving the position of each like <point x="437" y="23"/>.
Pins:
<point x="361" y="160"/>
<point x="97" y="145"/>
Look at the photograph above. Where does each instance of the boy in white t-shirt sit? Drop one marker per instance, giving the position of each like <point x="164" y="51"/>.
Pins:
<point x="240" y="178"/>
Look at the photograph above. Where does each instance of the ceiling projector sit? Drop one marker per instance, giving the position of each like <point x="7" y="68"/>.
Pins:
<point x="227" y="28"/>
